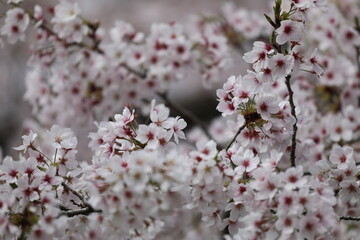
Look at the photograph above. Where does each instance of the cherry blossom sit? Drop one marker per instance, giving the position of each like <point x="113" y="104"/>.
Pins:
<point x="66" y="11"/>
<point x="288" y="31"/>
<point x="341" y="156"/>
<point x="258" y="55"/>
<point x="247" y="163"/>
<point x="27" y="141"/>
<point x="176" y="126"/>
<point x="281" y="66"/>
<point x="16" y="23"/>
<point x="280" y="161"/>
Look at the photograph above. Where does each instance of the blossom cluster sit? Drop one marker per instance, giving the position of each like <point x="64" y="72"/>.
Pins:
<point x="281" y="162"/>
<point x="97" y="71"/>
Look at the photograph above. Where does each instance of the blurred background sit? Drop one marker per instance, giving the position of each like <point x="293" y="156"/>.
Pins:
<point x="141" y="14"/>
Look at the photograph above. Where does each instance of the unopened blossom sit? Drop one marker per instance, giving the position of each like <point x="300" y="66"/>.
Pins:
<point x="66" y="11"/>
<point x="38" y="14"/>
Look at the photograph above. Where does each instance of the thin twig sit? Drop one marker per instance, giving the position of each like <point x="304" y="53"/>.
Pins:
<point x="295" y="128"/>
<point x="83" y="211"/>
<point x="342" y="143"/>
<point x="78" y="195"/>
<point x="357" y="48"/>
<point x="140" y="74"/>
<point x="133" y="71"/>
<point x="234" y="138"/>
<point x="88" y="209"/>
<point x="186" y="114"/>
<point x="350" y="218"/>
<point x="277" y="23"/>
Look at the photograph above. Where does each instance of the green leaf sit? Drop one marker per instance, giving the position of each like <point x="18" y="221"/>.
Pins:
<point x="277" y="8"/>
<point x="270" y="20"/>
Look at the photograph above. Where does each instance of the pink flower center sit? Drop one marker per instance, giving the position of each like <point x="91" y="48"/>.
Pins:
<point x="349" y="35"/>
<point x="246" y="163"/>
<point x="280" y="63"/>
<point x="288" y="29"/>
<point x="263" y="107"/>
<point x="343" y="158"/>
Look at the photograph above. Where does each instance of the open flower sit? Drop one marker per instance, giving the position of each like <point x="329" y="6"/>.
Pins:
<point x="27" y="141"/>
<point x="175" y="126"/>
<point x="266" y="105"/>
<point x="341" y="156"/>
<point x="281" y="65"/>
<point x="245" y="163"/>
<point x="289" y="31"/>
<point x="125" y="118"/>
<point x="62" y="137"/>
<point x="16" y="23"/>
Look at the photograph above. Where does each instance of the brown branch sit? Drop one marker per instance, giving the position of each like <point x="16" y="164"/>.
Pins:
<point x="357" y="48"/>
<point x="84" y="211"/>
<point x="295" y="128"/>
<point x="234" y="138"/>
<point x="142" y="74"/>
<point x="276" y="24"/>
<point x="189" y="116"/>
<point x="78" y="195"/>
<point x="133" y="71"/>
<point x="88" y="209"/>
<point x="350" y="218"/>
<point x="342" y="143"/>
<point x="43" y="26"/>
